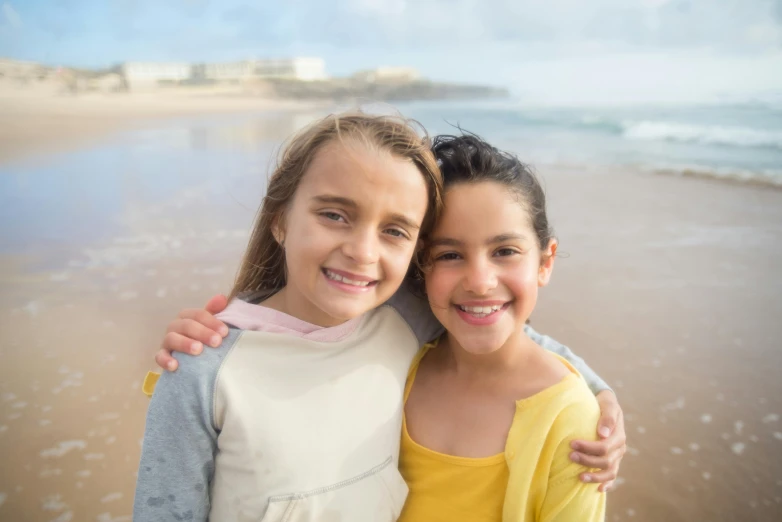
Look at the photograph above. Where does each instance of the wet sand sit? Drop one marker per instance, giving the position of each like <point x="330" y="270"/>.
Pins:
<point x="669" y="287"/>
<point x="34" y="121"/>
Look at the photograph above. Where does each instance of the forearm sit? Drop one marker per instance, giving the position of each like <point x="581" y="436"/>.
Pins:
<point x="177" y="457"/>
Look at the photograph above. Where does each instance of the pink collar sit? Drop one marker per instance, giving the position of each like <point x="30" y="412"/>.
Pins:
<point x="259" y="318"/>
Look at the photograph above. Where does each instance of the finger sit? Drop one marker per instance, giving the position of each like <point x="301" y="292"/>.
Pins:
<point x="605" y="426"/>
<point x="600" y="448"/>
<point x="206" y="319"/>
<point x="599" y="477"/>
<point x="609" y="417"/>
<point x="216" y="304"/>
<point x="165" y="361"/>
<point x="174" y="342"/>
<point x="188" y="313"/>
<point x="607" y="487"/>
<point x="193" y="331"/>
<point x="590" y="461"/>
<point x="597" y="448"/>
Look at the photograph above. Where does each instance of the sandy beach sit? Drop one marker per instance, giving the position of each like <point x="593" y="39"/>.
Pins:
<point x="36" y="122"/>
<point x="669" y="287"/>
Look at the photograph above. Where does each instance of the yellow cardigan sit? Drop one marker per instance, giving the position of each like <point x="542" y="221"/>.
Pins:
<point x="543" y="483"/>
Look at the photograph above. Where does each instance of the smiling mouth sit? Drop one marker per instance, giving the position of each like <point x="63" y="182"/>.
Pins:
<point x="346" y="280"/>
<point x="481" y="311"/>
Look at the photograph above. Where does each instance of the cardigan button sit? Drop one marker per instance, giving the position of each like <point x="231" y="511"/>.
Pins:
<point x="511" y="454"/>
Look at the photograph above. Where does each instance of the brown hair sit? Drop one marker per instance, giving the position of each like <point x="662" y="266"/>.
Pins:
<point x="263" y="266"/>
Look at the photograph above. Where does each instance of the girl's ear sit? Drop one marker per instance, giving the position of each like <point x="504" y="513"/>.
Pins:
<point x="278" y="231"/>
<point x="547" y="262"/>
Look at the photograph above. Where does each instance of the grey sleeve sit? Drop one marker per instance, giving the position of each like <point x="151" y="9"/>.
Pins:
<point x="180" y="440"/>
<point x="416" y="313"/>
<point x="596" y="384"/>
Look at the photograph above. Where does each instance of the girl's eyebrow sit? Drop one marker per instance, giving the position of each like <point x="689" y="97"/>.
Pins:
<point x="339" y="200"/>
<point x="445" y="241"/>
<point x="347" y="202"/>
<point x="507" y="237"/>
<point x="406" y="221"/>
<point x="501" y="238"/>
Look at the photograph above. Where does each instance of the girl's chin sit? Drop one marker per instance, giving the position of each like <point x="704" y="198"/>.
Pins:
<point x="481" y="345"/>
<point x="347" y="305"/>
<point x="481" y="350"/>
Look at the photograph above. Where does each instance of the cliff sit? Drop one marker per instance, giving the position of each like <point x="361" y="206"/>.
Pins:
<point x="340" y="90"/>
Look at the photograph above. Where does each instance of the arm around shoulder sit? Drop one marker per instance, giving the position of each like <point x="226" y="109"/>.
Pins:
<point x="596" y="384"/>
<point x="177" y="458"/>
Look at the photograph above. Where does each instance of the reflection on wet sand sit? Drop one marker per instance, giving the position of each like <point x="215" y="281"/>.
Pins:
<point x="100" y="248"/>
<point x="671" y="290"/>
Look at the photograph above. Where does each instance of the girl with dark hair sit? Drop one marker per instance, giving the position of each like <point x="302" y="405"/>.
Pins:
<point x="489" y="414"/>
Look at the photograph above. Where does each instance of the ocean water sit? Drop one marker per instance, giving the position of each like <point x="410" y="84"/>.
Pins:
<point x="103" y="244"/>
<point x="738" y="141"/>
<point x="90" y="194"/>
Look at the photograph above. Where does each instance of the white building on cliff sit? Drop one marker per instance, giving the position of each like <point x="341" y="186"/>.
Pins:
<point x="304" y="69"/>
<point x="145" y="75"/>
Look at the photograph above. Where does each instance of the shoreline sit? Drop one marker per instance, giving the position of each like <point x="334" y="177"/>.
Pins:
<point x="43" y="123"/>
<point x="668" y="287"/>
<point x="751" y="180"/>
<point x="661" y="292"/>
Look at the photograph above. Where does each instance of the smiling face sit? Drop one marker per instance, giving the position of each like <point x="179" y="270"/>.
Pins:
<point x="486" y="266"/>
<point x="350" y="232"/>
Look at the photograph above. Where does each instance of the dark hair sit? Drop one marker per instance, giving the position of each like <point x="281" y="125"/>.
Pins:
<point x="469" y="159"/>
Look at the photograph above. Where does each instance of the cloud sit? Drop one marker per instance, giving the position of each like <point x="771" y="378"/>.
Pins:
<point x="558" y="49"/>
<point x="627" y="78"/>
<point x="442" y="23"/>
<point x="10" y="16"/>
<point x="380" y="7"/>
<point x="766" y="34"/>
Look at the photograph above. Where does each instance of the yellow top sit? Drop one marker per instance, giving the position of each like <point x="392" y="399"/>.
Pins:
<point x="532" y="481"/>
<point x="445" y="488"/>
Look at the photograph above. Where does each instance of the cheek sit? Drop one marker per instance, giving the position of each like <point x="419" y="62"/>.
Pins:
<point x="306" y="248"/>
<point x="439" y="285"/>
<point x="299" y="230"/>
<point x="523" y="283"/>
<point x="396" y="261"/>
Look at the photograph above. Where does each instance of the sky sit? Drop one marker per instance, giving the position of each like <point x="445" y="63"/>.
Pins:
<point x="552" y="51"/>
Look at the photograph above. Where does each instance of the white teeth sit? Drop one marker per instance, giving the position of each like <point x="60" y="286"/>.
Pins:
<point x="481" y="311"/>
<point x="337" y="277"/>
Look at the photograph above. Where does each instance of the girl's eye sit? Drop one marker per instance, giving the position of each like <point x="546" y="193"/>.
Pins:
<point x="503" y="252"/>
<point x="333" y="216"/>
<point x="448" y="256"/>
<point x="395" y="232"/>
